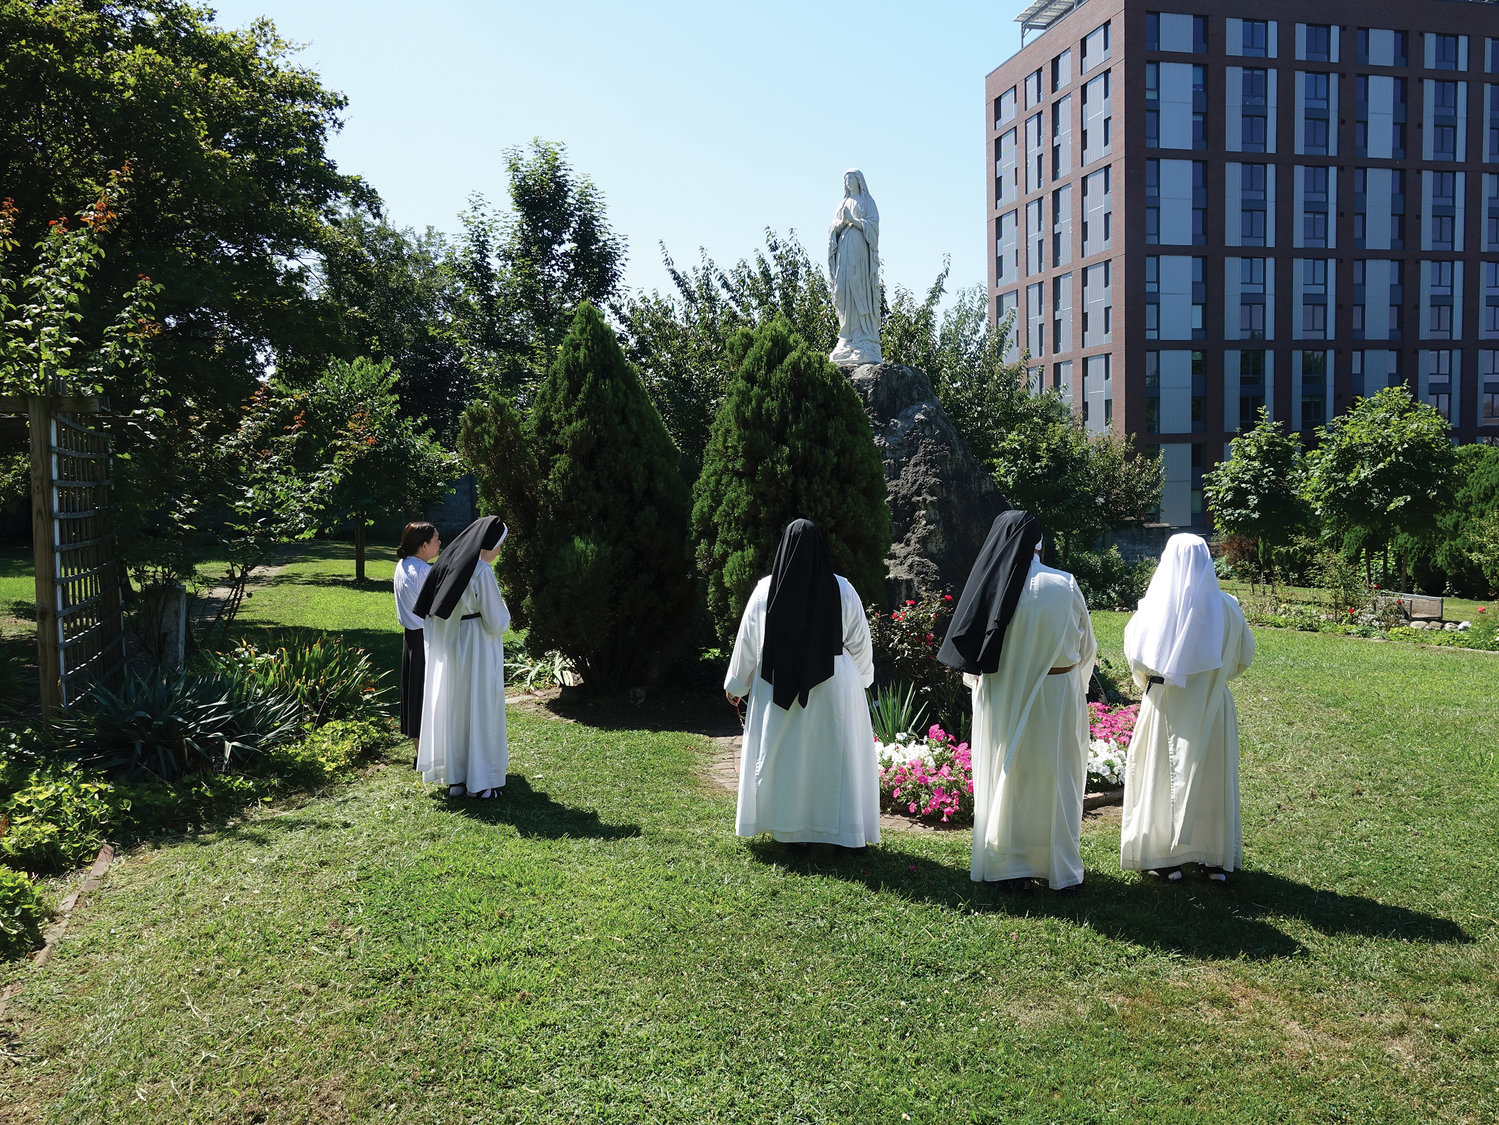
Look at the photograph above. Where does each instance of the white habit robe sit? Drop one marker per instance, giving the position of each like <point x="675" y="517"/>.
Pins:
<point x="808" y="775"/>
<point x="463" y="710"/>
<point x="1181" y="776"/>
<point x="1030" y="738"/>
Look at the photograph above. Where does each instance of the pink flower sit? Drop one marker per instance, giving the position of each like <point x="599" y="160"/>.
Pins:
<point x="910" y="602"/>
<point x="947" y="597"/>
<point x="1482" y="608"/>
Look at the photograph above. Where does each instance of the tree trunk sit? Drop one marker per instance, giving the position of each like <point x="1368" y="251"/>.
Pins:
<point x="359" y="552"/>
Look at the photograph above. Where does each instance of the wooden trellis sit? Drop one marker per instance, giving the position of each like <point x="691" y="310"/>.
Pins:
<point x="80" y="627"/>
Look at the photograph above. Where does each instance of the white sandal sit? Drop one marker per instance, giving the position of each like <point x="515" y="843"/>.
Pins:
<point x="459" y="790"/>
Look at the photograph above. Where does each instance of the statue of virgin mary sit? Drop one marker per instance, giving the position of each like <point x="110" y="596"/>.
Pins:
<point x="854" y="269"/>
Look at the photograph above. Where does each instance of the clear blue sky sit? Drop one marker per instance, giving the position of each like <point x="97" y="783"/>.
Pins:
<point x="702" y="123"/>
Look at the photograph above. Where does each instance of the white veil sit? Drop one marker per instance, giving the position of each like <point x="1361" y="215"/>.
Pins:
<point x="1178" y="629"/>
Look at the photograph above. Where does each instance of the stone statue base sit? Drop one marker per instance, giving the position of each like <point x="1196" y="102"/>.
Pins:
<point x="856" y="353"/>
<point x="941" y="499"/>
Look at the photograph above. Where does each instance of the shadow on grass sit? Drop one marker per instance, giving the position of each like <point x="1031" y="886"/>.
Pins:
<point x="533" y="813"/>
<point x="691" y="711"/>
<point x="1190" y="918"/>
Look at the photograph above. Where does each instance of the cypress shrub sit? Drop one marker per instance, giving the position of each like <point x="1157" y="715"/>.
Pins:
<point x="790" y="440"/>
<point x="597" y="566"/>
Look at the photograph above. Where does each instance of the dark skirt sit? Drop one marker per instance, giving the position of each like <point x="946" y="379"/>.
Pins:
<point x="413" y="676"/>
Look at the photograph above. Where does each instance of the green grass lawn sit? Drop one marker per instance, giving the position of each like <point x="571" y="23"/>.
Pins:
<point x="598" y="946"/>
<point x="17" y="584"/>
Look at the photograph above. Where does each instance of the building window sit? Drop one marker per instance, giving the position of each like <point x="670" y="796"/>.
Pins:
<point x="1444" y="52"/>
<point x="1199" y="106"/>
<point x="1255" y="37"/>
<point x="1005" y="108"/>
<point x="1032" y="88"/>
<point x="1152" y="105"/>
<point x="1254" y="109"/>
<point x="1095" y="48"/>
<point x="1317" y="42"/>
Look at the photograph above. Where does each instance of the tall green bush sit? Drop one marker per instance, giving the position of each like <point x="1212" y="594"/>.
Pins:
<point x="597" y="565"/>
<point x="1382" y="469"/>
<point x="1256" y="491"/>
<point x="1460" y="555"/>
<point x="789" y="441"/>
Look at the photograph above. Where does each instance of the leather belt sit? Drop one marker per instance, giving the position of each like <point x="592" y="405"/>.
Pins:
<point x="470" y="616"/>
<point x="1060" y="671"/>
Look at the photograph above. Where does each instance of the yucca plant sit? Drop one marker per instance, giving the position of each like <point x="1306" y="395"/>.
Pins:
<point x="173" y="724"/>
<point x="331" y="680"/>
<point x="894" y="712"/>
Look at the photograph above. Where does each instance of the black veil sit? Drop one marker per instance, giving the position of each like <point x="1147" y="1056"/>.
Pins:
<point x="976" y="634"/>
<point x="803" y="616"/>
<point x="450" y="574"/>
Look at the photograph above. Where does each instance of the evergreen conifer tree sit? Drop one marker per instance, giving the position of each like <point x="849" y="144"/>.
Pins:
<point x="604" y="575"/>
<point x="790" y="440"/>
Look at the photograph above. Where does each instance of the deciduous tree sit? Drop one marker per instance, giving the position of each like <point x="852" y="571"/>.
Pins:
<point x="1257" y="491"/>
<point x="1383" y="468"/>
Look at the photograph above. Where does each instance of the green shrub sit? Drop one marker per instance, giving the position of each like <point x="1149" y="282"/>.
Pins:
<point x="594" y="495"/>
<point x="324" y="752"/>
<point x="174" y="724"/>
<point x="1107" y="581"/>
<point x="790" y="441"/>
<point x="54" y="819"/>
<point x="532" y="673"/>
<point x="329" y="679"/>
<point x="21" y="749"/>
<point x="905" y="643"/>
<point x="22" y="913"/>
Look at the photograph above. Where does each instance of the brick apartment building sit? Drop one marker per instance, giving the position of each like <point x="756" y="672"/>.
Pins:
<point x="1201" y="208"/>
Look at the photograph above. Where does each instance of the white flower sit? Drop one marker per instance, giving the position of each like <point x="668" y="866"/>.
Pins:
<point x="1106" y="759"/>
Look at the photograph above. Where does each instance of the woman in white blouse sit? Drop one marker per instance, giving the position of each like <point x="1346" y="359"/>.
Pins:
<point x="419" y="546"/>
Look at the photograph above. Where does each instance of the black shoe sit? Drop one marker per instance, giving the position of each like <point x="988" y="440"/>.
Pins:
<point x="1075" y="889"/>
<point x="1013" y="886"/>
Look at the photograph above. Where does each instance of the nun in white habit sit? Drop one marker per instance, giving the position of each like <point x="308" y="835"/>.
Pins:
<point x="463" y="714"/>
<point x="1181" y="778"/>
<point x="1022" y="636"/>
<point x="802" y="659"/>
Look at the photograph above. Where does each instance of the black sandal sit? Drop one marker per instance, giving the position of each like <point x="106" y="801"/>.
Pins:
<point x="1215" y="875"/>
<point x="1169" y="874"/>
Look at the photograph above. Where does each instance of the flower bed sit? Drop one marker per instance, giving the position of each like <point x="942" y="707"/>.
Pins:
<point x="931" y="779"/>
<point x="927" y="778"/>
<point x="1109" y="732"/>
